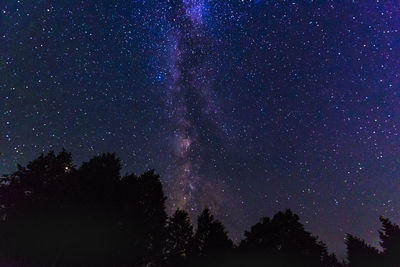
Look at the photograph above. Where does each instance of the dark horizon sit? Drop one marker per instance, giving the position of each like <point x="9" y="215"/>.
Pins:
<point x="193" y="217"/>
<point x="56" y="214"/>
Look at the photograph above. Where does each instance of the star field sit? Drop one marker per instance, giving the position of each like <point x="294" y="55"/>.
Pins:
<point x="245" y="106"/>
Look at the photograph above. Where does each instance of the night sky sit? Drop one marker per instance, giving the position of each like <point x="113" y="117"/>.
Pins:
<point x="246" y="106"/>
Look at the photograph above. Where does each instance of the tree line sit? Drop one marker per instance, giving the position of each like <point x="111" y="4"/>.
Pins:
<point x="54" y="214"/>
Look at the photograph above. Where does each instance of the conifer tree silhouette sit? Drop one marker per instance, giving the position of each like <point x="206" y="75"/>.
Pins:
<point x="390" y="242"/>
<point x="180" y="239"/>
<point x="360" y="254"/>
<point x="212" y="242"/>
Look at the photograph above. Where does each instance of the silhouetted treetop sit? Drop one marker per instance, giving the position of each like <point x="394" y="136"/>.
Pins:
<point x="180" y="239"/>
<point x="211" y="236"/>
<point x="284" y="237"/>
<point x="56" y="215"/>
<point x="360" y="254"/>
<point x="390" y="242"/>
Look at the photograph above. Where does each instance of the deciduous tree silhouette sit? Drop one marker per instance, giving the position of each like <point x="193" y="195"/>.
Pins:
<point x="360" y="254"/>
<point x="284" y="240"/>
<point x="29" y="207"/>
<point x="55" y="215"/>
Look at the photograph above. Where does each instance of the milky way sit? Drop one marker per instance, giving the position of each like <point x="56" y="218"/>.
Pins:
<point x="189" y="97"/>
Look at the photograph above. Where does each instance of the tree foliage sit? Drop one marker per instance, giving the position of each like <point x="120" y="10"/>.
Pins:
<point x="180" y="242"/>
<point x="360" y="254"/>
<point x="390" y="242"/>
<point x="284" y="239"/>
<point x="55" y="214"/>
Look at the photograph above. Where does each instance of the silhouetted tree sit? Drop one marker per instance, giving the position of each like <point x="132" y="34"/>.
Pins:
<point x="212" y="241"/>
<point x="330" y="260"/>
<point x="29" y="207"/>
<point x="55" y="215"/>
<point x="360" y="254"/>
<point x="284" y="240"/>
<point x="180" y="239"/>
<point x="390" y="242"/>
<point x="142" y="218"/>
